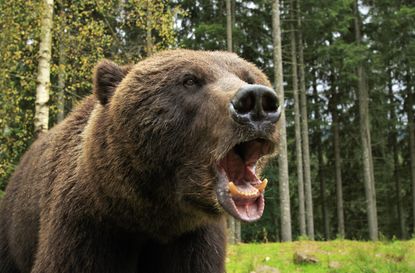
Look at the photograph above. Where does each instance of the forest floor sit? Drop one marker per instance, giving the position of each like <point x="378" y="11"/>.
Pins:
<point x="332" y="256"/>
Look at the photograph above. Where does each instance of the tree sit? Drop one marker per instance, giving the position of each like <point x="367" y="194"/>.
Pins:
<point x="60" y="101"/>
<point x="19" y="38"/>
<point x="41" y="118"/>
<point x="229" y="25"/>
<point x="321" y="171"/>
<point x="396" y="166"/>
<point x="90" y="31"/>
<point x="149" y="37"/>
<point x="282" y="158"/>
<point x="234" y="226"/>
<point x="337" y="157"/>
<point x="297" y="123"/>
<point x="411" y="133"/>
<point x="304" y="130"/>
<point x="365" y="137"/>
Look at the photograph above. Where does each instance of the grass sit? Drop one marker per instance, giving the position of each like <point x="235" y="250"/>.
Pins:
<point x="338" y="256"/>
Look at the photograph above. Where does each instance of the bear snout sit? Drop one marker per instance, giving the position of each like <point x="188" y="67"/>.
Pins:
<point x="255" y="105"/>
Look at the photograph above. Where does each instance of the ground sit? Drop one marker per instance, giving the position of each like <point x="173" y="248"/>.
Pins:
<point x="338" y="256"/>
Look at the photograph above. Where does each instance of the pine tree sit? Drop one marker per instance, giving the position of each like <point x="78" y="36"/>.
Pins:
<point x="297" y="123"/>
<point x="365" y="137"/>
<point x="286" y="234"/>
<point x="304" y="132"/>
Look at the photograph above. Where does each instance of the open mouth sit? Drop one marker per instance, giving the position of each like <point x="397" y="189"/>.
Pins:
<point x="240" y="191"/>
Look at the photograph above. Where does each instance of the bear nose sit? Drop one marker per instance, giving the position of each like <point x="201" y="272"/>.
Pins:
<point x="255" y="104"/>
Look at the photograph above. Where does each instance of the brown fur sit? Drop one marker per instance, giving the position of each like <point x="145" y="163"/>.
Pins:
<point x="125" y="183"/>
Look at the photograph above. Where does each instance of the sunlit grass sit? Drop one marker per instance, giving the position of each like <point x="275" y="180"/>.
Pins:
<point x="338" y="256"/>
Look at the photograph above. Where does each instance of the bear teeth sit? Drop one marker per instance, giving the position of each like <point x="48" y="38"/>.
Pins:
<point x="261" y="187"/>
<point x="252" y="193"/>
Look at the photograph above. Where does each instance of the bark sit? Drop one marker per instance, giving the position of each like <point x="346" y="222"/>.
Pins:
<point x="41" y="118"/>
<point x="411" y="132"/>
<point x="238" y="237"/>
<point x="230" y="223"/>
<point x="235" y="225"/>
<point x="324" y="208"/>
<point x="284" y="191"/>
<point x="297" y="124"/>
<point x="396" y="171"/>
<point x="149" y="37"/>
<point x="228" y="25"/>
<point x="274" y="214"/>
<point x="304" y="130"/>
<point x="366" y="139"/>
<point x="61" y="73"/>
<point x="339" y="184"/>
<point x="337" y="161"/>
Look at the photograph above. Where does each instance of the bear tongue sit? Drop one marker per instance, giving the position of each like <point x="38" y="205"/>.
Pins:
<point x="250" y="210"/>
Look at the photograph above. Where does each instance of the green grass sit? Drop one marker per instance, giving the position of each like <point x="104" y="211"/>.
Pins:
<point x="350" y="256"/>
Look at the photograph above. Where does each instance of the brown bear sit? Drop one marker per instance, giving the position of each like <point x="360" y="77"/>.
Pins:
<point x="139" y="176"/>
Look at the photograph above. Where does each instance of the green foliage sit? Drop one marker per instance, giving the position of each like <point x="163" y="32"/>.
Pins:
<point x="84" y="32"/>
<point x="19" y="30"/>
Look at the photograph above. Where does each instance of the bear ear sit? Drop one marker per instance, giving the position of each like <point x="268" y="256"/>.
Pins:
<point x="107" y="76"/>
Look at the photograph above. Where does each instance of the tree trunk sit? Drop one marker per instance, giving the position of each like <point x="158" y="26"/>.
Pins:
<point x="229" y="25"/>
<point x="234" y="227"/>
<point x="61" y="72"/>
<point x="61" y="85"/>
<point x="230" y="224"/>
<point x="365" y="139"/>
<point x="411" y="132"/>
<point x="238" y="236"/>
<point x="41" y="118"/>
<point x="324" y="208"/>
<point x="284" y="190"/>
<point x="149" y="37"/>
<point x="297" y="115"/>
<point x="304" y="130"/>
<point x="396" y="171"/>
<point x="337" y="160"/>
<point x="275" y="214"/>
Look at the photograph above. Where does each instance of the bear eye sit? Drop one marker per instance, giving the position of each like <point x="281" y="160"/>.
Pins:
<point x="190" y="81"/>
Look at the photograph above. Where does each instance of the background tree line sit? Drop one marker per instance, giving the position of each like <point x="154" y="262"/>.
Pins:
<point x="347" y="71"/>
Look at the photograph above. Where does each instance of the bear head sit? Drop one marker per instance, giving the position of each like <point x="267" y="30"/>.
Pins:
<point x="194" y="126"/>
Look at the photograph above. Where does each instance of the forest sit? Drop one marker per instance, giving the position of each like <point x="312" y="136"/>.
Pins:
<point x="345" y="70"/>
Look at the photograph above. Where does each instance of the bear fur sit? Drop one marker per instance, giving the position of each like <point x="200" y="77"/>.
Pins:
<point x="125" y="182"/>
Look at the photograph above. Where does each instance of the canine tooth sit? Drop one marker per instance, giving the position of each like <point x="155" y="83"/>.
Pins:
<point x="232" y="188"/>
<point x="261" y="187"/>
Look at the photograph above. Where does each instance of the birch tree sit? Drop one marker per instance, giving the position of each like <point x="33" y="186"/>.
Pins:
<point x="41" y="118"/>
